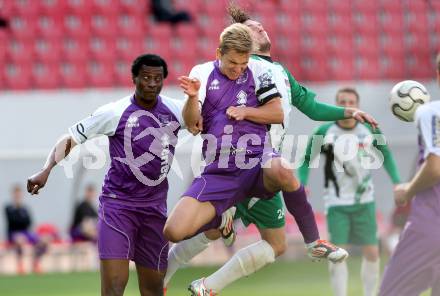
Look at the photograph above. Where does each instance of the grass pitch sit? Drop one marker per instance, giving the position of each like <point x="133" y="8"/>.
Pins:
<point x="297" y="278"/>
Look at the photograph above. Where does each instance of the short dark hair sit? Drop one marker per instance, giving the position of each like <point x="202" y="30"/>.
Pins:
<point x="237" y="14"/>
<point x="150" y="60"/>
<point x="350" y="90"/>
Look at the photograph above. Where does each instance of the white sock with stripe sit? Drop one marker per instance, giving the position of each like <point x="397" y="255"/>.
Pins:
<point x="181" y="253"/>
<point x="245" y="262"/>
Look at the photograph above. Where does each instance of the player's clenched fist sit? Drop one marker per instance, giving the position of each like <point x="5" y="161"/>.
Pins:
<point x="37" y="181"/>
<point x="189" y="85"/>
<point x="237" y="113"/>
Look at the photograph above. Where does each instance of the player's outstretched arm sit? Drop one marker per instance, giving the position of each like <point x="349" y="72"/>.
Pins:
<point x="427" y="176"/>
<point x="60" y="150"/>
<point x="269" y="113"/>
<point x="191" y="109"/>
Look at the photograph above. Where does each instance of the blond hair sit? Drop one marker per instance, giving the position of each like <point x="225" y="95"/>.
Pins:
<point x="236" y="37"/>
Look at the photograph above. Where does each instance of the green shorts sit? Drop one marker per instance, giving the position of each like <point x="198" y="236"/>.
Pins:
<point x="355" y="224"/>
<point x="264" y="213"/>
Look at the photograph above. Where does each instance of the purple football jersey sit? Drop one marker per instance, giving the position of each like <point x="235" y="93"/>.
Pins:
<point x="225" y="138"/>
<point x="141" y="146"/>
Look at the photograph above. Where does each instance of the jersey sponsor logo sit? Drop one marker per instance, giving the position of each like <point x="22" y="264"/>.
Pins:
<point x="243" y="78"/>
<point x="242" y="98"/>
<point x="436" y="131"/>
<point x="215" y="85"/>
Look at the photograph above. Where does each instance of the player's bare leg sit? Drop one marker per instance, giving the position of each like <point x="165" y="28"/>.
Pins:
<point x="277" y="176"/>
<point x="191" y="216"/>
<point x="150" y="281"/>
<point x="187" y="217"/>
<point x="276" y="237"/>
<point x="114" y="277"/>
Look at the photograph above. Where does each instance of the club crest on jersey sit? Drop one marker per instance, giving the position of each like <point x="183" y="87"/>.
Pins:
<point x="133" y="121"/>
<point x="215" y="85"/>
<point x="164" y="119"/>
<point x="242" y="98"/>
<point x="265" y="79"/>
<point x="243" y="78"/>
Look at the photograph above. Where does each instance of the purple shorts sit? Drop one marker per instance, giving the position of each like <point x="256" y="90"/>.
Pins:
<point x="414" y="266"/>
<point x="133" y="233"/>
<point x="227" y="187"/>
<point x="30" y="237"/>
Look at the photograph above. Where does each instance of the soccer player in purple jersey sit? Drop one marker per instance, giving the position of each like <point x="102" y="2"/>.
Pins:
<point x="230" y="90"/>
<point x="415" y="264"/>
<point x="142" y="131"/>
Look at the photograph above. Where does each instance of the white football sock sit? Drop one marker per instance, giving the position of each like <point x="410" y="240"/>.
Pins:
<point x="181" y="253"/>
<point x="370" y="276"/>
<point x="245" y="262"/>
<point x="339" y="278"/>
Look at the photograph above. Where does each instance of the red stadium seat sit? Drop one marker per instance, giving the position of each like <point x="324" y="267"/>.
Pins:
<point x="367" y="46"/>
<point x="313" y="7"/>
<point x="392" y="44"/>
<point x="17" y="76"/>
<point x="49" y="26"/>
<point x="22" y="26"/>
<point x="419" y="66"/>
<point x="391" y="21"/>
<point x="314" y="68"/>
<point x="286" y="23"/>
<point x="211" y="25"/>
<point x="187" y="31"/>
<point x="103" y="25"/>
<point x="340" y="67"/>
<point x="45" y="75"/>
<point x="152" y="45"/>
<point x="416" y="22"/>
<point x="367" y="69"/>
<point x="366" y="23"/>
<point x="24" y="8"/>
<point x="393" y="6"/>
<point x="105" y="7"/>
<point x="75" y="50"/>
<point x="289" y="7"/>
<point x="19" y="51"/>
<point x="340" y="45"/>
<point x="100" y="74"/>
<point x="416" y="6"/>
<point x="77" y="25"/>
<point x="47" y="50"/>
<point x="369" y="7"/>
<point x="312" y="23"/>
<point x="138" y="7"/>
<point x="339" y="7"/>
<point x="206" y="47"/>
<point x="340" y="24"/>
<point x="52" y="7"/>
<point x="130" y="25"/>
<point x="72" y="75"/>
<point x="102" y="48"/>
<point x="415" y="42"/>
<point x="212" y="8"/>
<point x="128" y="48"/>
<point x="392" y="67"/>
<point x="122" y="71"/>
<point x="79" y="6"/>
<point x="287" y="45"/>
<point x="193" y="9"/>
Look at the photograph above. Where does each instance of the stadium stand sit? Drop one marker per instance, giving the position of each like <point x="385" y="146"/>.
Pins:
<point x="50" y="40"/>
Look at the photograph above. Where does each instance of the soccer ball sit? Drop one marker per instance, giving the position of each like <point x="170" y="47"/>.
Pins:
<point x="405" y="97"/>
